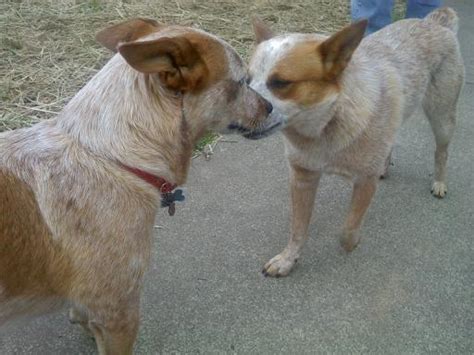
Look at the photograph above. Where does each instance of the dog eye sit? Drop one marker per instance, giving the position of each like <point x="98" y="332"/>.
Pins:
<point x="277" y="83"/>
<point x="248" y="79"/>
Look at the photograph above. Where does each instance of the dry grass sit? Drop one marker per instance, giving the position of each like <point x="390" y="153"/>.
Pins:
<point x="47" y="47"/>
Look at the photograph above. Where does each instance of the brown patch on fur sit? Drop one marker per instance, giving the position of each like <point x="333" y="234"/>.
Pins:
<point x="213" y="56"/>
<point x="304" y="71"/>
<point x="310" y="72"/>
<point x="31" y="263"/>
<point x="189" y="62"/>
<point x="337" y="50"/>
<point x="126" y="32"/>
<point x="409" y="64"/>
<point x="175" y="60"/>
<point x="79" y="226"/>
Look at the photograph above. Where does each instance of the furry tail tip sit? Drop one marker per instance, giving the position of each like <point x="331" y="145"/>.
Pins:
<point x="446" y="17"/>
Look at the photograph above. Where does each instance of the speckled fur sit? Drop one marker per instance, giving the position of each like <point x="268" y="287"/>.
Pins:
<point x="408" y="65"/>
<point x="75" y="227"/>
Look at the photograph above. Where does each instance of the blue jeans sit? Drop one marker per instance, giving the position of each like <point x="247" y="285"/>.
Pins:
<point x="379" y="12"/>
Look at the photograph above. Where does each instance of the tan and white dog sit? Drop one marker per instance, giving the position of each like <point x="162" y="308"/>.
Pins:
<point x="79" y="193"/>
<point x="345" y="98"/>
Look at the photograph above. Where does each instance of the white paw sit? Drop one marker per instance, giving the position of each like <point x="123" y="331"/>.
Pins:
<point x="439" y="189"/>
<point x="279" y="265"/>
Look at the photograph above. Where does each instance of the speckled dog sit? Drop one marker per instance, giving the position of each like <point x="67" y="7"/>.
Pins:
<point x="345" y="98"/>
<point x="79" y="193"/>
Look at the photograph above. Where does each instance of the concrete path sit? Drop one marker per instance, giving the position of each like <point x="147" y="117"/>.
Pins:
<point x="408" y="288"/>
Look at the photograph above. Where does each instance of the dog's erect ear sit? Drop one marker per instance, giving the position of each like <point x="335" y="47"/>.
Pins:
<point x="261" y="29"/>
<point x="126" y="32"/>
<point x="174" y="59"/>
<point x="337" y="50"/>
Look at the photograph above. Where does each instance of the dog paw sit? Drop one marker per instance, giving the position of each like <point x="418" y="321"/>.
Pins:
<point x="79" y="317"/>
<point x="388" y="162"/>
<point x="349" y="241"/>
<point x="439" y="189"/>
<point x="279" y="265"/>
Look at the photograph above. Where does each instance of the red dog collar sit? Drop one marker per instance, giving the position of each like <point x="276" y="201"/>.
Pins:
<point x="165" y="187"/>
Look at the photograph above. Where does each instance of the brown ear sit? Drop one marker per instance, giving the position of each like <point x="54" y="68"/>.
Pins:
<point x="174" y="59"/>
<point x="126" y="32"/>
<point x="337" y="50"/>
<point x="261" y="30"/>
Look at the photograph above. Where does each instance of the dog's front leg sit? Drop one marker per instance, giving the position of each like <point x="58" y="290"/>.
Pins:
<point x="303" y="186"/>
<point x="362" y="193"/>
<point x="78" y="315"/>
<point x="115" y="327"/>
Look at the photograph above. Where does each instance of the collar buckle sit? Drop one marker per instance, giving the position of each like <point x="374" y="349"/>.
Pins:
<point x="168" y="197"/>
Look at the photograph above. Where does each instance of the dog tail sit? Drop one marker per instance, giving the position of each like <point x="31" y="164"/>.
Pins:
<point x="445" y="17"/>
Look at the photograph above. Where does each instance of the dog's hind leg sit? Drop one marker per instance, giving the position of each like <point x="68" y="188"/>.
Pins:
<point x="439" y="105"/>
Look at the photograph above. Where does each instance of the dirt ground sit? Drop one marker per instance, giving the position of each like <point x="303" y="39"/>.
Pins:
<point x="48" y="51"/>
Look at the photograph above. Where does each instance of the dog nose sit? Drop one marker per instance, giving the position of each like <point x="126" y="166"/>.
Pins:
<point x="268" y="107"/>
